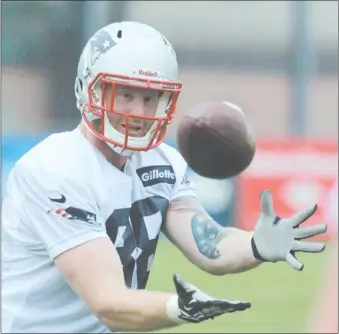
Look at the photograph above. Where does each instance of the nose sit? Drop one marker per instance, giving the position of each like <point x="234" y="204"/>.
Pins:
<point x="137" y="107"/>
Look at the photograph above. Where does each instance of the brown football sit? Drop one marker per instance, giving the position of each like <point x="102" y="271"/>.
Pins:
<point x="216" y="139"/>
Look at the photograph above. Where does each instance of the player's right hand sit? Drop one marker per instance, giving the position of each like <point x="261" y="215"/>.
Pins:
<point x="196" y="306"/>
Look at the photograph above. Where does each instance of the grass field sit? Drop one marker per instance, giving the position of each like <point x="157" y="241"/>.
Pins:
<point x="281" y="297"/>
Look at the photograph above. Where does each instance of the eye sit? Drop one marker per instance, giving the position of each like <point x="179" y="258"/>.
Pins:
<point x="127" y="96"/>
<point x="151" y="99"/>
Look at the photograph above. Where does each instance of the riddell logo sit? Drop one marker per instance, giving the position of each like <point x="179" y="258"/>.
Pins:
<point x="94" y="96"/>
<point x="148" y="73"/>
<point x="152" y="175"/>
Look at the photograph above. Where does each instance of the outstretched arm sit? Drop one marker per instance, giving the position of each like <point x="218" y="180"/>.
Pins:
<point x="213" y="248"/>
<point x="221" y="250"/>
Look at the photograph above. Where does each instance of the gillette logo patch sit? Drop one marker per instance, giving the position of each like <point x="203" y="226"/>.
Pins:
<point x="152" y="175"/>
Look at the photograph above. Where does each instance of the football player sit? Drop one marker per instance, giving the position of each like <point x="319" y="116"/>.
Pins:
<point x="83" y="209"/>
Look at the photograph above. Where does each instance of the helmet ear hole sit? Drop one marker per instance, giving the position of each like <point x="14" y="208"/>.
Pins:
<point x="78" y="86"/>
<point x="81" y="84"/>
<point x="119" y="34"/>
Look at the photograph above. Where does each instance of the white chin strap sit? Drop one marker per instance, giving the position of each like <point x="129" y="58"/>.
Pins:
<point x="120" y="150"/>
<point x="113" y="134"/>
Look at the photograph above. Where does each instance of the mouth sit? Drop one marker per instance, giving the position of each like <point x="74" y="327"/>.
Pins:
<point x="133" y="129"/>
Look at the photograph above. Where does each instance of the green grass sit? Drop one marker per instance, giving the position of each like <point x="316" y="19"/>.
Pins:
<point x="281" y="297"/>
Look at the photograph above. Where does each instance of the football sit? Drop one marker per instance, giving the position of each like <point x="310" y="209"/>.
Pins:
<point x="216" y="139"/>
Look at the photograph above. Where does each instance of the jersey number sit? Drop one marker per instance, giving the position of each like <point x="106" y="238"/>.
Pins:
<point x="135" y="233"/>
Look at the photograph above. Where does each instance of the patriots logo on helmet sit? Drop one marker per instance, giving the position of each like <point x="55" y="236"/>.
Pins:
<point x="100" y="43"/>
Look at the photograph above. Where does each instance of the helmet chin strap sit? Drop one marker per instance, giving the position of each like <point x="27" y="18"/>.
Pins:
<point x="91" y="117"/>
<point x="110" y="132"/>
<point x="120" y="150"/>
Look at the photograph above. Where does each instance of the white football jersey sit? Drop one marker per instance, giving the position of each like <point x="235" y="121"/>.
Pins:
<point x="64" y="193"/>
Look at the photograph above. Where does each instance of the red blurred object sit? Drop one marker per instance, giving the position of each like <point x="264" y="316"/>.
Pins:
<point x="299" y="173"/>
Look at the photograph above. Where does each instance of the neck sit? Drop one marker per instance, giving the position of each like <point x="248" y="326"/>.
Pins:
<point x="112" y="157"/>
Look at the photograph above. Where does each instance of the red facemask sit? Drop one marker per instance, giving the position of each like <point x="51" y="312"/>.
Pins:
<point x="98" y="106"/>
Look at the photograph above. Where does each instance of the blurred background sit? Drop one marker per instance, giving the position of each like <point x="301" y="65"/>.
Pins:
<point x="278" y="60"/>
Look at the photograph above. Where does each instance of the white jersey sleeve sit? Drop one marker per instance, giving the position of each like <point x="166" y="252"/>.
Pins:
<point x="52" y="212"/>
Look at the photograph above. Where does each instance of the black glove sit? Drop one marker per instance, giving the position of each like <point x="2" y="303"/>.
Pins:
<point x="193" y="305"/>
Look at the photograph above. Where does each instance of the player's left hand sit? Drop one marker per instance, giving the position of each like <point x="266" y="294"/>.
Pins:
<point x="277" y="239"/>
<point x="196" y="306"/>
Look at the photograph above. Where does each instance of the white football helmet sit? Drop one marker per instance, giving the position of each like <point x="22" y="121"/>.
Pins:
<point x="129" y="54"/>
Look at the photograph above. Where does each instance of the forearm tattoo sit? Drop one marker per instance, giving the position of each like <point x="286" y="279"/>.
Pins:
<point x="206" y="232"/>
<point x="207" y="235"/>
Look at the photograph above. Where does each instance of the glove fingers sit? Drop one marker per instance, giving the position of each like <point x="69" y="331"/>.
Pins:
<point x="294" y="262"/>
<point x="310" y="231"/>
<point x="186" y="291"/>
<point x="311" y="247"/>
<point x="232" y="306"/>
<point x="266" y="203"/>
<point x="302" y="216"/>
<point x="181" y="286"/>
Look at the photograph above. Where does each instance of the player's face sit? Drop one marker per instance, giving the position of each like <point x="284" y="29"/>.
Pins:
<point x="137" y="101"/>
